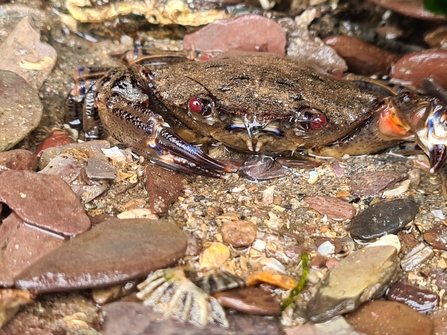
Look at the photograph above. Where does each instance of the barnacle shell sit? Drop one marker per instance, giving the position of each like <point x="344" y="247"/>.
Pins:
<point x="170" y="292"/>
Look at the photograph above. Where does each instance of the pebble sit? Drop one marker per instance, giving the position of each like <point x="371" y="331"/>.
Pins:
<point x="389" y="317"/>
<point x="421" y="300"/>
<point x="412" y="68"/>
<point x="336" y="325"/>
<point x="385" y="217"/>
<point x="412" y="8"/>
<point x="65" y="167"/>
<point x="18" y="159"/>
<point x="120" y="317"/>
<point x="437" y="237"/>
<point x="239" y="233"/>
<point x="57" y="138"/>
<point x="335" y="208"/>
<point x="417" y="256"/>
<point x="248" y="32"/>
<point x="24" y="53"/>
<point x="112" y="252"/>
<point x="43" y="200"/>
<point x="20" y="109"/>
<point x="98" y="169"/>
<point x="371" y="183"/>
<point x="437" y="38"/>
<point x="361" y="58"/>
<point x="214" y="256"/>
<point x="341" y="292"/>
<point x="22" y="245"/>
<point x="440" y="323"/>
<point x="163" y="187"/>
<point x="10" y="302"/>
<point x="388" y="239"/>
<point x="439" y="277"/>
<point x="251" y="300"/>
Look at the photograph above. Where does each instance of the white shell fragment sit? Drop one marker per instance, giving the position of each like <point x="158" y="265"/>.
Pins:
<point x="170" y="292"/>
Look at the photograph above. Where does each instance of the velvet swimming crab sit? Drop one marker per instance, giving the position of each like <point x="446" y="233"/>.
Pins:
<point x="254" y="103"/>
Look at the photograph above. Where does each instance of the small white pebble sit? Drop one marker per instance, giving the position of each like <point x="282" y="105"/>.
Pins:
<point x="313" y="177"/>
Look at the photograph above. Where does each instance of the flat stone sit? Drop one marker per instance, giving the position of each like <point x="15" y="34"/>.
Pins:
<point x="249" y="32"/>
<point x="21" y="245"/>
<point x="391" y="318"/>
<point x="385" y="217"/>
<point x="371" y="183"/>
<point x="10" y="302"/>
<point x="239" y="233"/>
<point x="57" y="138"/>
<point x="335" y="208"/>
<point x="437" y="237"/>
<point x="337" y="325"/>
<point x="416" y="257"/>
<point x="412" y="8"/>
<point x="98" y="169"/>
<point x="20" y="109"/>
<point x="419" y="299"/>
<point x="43" y="200"/>
<point x="131" y="318"/>
<point x="112" y="252"/>
<point x="342" y="292"/>
<point x="18" y="159"/>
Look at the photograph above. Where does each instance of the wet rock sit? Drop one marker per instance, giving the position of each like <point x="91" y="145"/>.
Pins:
<point x="163" y="187"/>
<point x="335" y="208"/>
<point x="17" y="159"/>
<point x="132" y="318"/>
<point x="43" y="200"/>
<point x="57" y="138"/>
<point x="245" y="33"/>
<point x="98" y="169"/>
<point x="23" y="53"/>
<point x="371" y="183"/>
<point x="214" y="256"/>
<point x="362" y="58"/>
<point x="21" y="246"/>
<point x="412" y="68"/>
<point x="251" y="300"/>
<point x="337" y="325"/>
<point x="416" y="257"/>
<point x="112" y="252"/>
<point x="261" y="168"/>
<point x="341" y="292"/>
<point x="437" y="38"/>
<point x="10" y="302"/>
<point x="20" y="109"/>
<point x="437" y="237"/>
<point x="412" y="8"/>
<point x="65" y="167"/>
<point x="239" y="233"/>
<point x="389" y="317"/>
<point x="385" y="217"/>
<point x="419" y="299"/>
<point x="439" y="323"/>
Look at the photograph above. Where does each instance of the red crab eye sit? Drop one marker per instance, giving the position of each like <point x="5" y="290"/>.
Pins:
<point x="317" y="121"/>
<point x="195" y="105"/>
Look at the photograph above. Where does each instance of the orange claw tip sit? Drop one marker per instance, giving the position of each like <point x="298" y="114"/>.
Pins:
<point x="391" y="123"/>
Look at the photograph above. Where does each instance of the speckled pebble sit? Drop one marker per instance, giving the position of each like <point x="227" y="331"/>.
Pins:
<point x="421" y="300"/>
<point x="335" y="208"/>
<point x="240" y="233"/>
<point x="214" y="256"/>
<point x="412" y="8"/>
<point x="57" y="138"/>
<point x="372" y="182"/>
<point x="437" y="237"/>
<point x="98" y="169"/>
<point x="18" y="159"/>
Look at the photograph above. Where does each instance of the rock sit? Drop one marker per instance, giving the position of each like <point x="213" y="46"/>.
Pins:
<point x="65" y="167"/>
<point x="335" y="208"/>
<point x="21" y="246"/>
<point x="412" y="8"/>
<point x="249" y="32"/>
<point x="342" y="292"/>
<point x="371" y="183"/>
<point x="416" y="257"/>
<point x="239" y="233"/>
<point x="361" y="58"/>
<point x="437" y="38"/>
<point x="389" y="317"/>
<point x="337" y="325"/>
<point x="439" y="323"/>
<point x="412" y="68"/>
<point x="437" y="237"/>
<point x="43" y="200"/>
<point x="10" y="302"/>
<point x="251" y="300"/>
<point x="17" y="159"/>
<point x="112" y="252"/>
<point x="57" y="138"/>
<point x="23" y="53"/>
<point x="214" y="256"/>
<point x="20" y="109"/>
<point x="385" y="217"/>
<point x="163" y="187"/>
<point x="439" y="277"/>
<point x="97" y="169"/>
<point x="421" y="300"/>
<point x="132" y="318"/>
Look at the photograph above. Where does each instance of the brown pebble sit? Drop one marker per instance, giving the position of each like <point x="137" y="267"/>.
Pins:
<point x="251" y="300"/>
<point x="57" y="138"/>
<point x="412" y="68"/>
<point x="419" y="299"/>
<point x="362" y="58"/>
<point x="439" y="277"/>
<point x="437" y="236"/>
<point x="240" y="233"/>
<point x="17" y="159"/>
<point x="389" y="317"/>
<point x="437" y="38"/>
<point x="412" y="8"/>
<point x="335" y="208"/>
<point x="244" y="33"/>
<point x="371" y="183"/>
<point x="440" y="323"/>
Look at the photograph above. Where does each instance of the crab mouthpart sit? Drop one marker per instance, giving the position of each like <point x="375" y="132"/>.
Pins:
<point x="391" y="122"/>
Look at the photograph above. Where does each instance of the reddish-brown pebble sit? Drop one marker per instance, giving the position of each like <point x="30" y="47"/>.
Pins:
<point x="112" y="252"/>
<point x="335" y="208"/>
<point x="57" y="138"/>
<point x="21" y="246"/>
<point x="419" y="299"/>
<point x="43" y="200"/>
<point x="412" y="8"/>
<point x="437" y="237"/>
<point x="389" y="317"/>
<point x="440" y="323"/>
<point x="240" y="233"/>
<point x="437" y="38"/>
<point x="251" y="300"/>
<point x="412" y="68"/>
<point x="18" y="159"/>
<point x="371" y="183"/>
<point x="245" y="33"/>
<point x="439" y="277"/>
<point x="362" y="58"/>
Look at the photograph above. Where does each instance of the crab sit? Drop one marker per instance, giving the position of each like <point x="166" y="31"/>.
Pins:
<point x="253" y="103"/>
